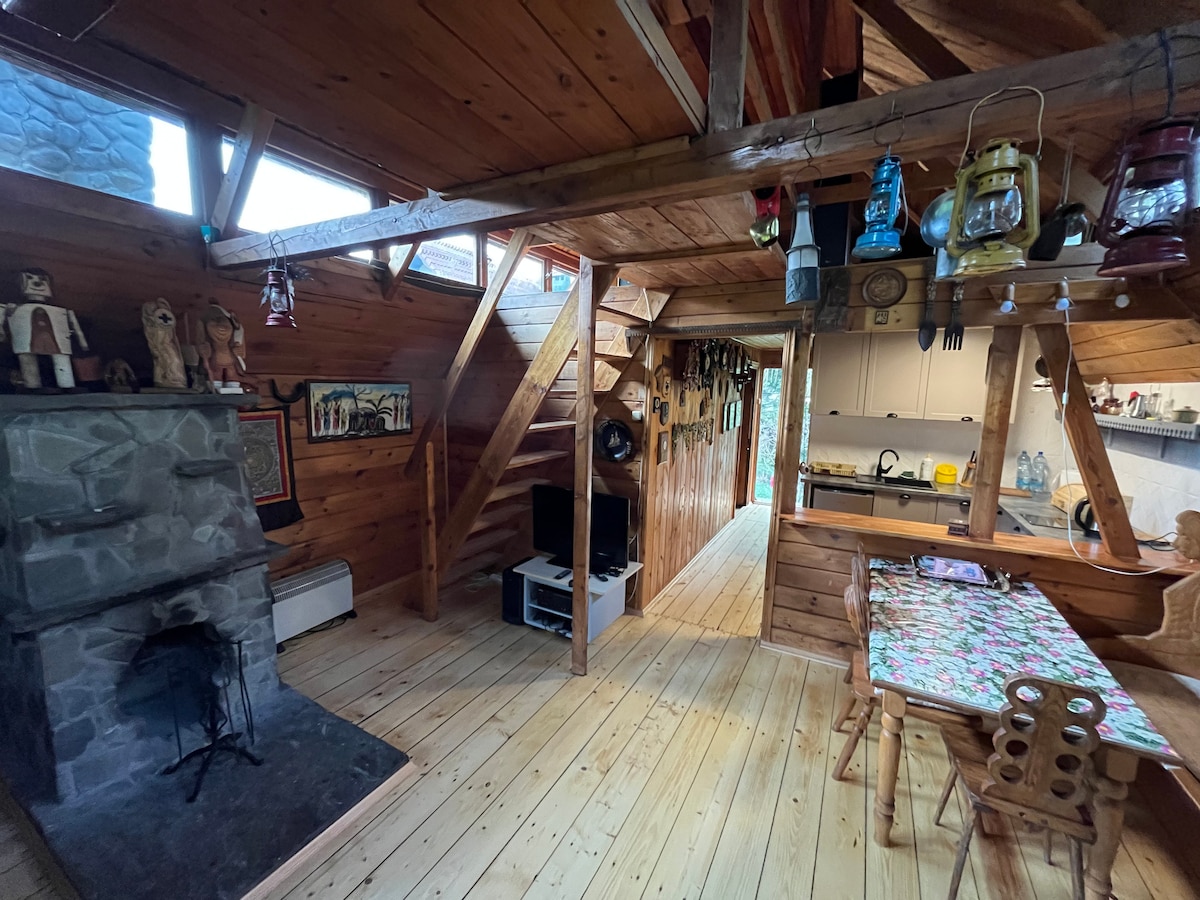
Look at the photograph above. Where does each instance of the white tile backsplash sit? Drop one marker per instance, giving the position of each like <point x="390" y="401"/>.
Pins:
<point x="859" y="439"/>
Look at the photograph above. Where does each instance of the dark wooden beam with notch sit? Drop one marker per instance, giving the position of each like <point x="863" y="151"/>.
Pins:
<point x="727" y="64"/>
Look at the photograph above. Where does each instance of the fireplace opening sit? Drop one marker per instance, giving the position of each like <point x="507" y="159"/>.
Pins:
<point x="186" y="685"/>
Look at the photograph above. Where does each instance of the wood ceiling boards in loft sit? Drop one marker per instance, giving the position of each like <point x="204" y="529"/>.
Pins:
<point x="446" y="92"/>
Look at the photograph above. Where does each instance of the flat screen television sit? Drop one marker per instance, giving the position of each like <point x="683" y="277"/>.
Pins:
<point x="554" y="527"/>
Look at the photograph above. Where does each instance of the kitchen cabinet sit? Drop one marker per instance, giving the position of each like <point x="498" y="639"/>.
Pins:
<point x="909" y="507"/>
<point x="897" y="377"/>
<point x="839" y="374"/>
<point x="952" y="508"/>
<point x="957" y="388"/>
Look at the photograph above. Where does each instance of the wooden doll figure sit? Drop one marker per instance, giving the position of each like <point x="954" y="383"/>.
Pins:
<point x="221" y="347"/>
<point x="158" y="324"/>
<point x="37" y="327"/>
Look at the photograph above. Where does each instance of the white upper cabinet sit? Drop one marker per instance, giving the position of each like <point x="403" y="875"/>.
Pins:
<point x="897" y="376"/>
<point x="958" y="379"/>
<point x="839" y="374"/>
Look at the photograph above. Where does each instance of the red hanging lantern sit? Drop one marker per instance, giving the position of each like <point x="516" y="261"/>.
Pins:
<point x="1150" y="200"/>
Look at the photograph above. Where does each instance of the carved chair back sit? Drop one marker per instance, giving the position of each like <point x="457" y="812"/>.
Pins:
<point x="858" y="609"/>
<point x="1044" y="746"/>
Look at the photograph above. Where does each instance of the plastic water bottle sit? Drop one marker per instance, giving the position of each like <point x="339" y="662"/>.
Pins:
<point x="1039" y="481"/>
<point x="1024" y="471"/>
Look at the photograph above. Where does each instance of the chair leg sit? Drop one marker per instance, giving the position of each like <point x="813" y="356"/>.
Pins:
<point x="947" y="790"/>
<point x="844" y="713"/>
<point x="860" y="728"/>
<point x="964" y="845"/>
<point x="1076" y="868"/>
<point x="1047" y="847"/>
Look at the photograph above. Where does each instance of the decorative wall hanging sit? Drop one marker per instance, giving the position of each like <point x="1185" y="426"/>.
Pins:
<point x="339" y="411"/>
<point x="664" y="413"/>
<point x="613" y="441"/>
<point x="664" y="447"/>
<point x="884" y="288"/>
<point x="267" y="437"/>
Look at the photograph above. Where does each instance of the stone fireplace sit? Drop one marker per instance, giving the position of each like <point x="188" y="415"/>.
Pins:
<point x="135" y="628"/>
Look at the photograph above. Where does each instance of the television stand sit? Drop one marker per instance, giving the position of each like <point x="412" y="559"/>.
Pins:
<point x="606" y="598"/>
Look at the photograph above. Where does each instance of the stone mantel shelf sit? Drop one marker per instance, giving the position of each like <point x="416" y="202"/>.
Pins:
<point x="28" y="622"/>
<point x="44" y="403"/>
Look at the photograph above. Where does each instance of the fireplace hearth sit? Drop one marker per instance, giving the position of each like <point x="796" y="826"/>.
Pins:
<point x="137" y="653"/>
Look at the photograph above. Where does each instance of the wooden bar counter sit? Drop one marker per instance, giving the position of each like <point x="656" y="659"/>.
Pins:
<point x="804" y="609"/>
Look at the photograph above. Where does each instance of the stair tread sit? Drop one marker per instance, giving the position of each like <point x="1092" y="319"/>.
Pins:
<point x="533" y="457"/>
<point x="468" y="566"/>
<point x="498" y="516"/>
<point x="486" y="541"/>
<point x="514" y="489"/>
<point x="606" y="357"/>
<point x="620" y="316"/>
<point x="554" y="425"/>
<point x="569" y="393"/>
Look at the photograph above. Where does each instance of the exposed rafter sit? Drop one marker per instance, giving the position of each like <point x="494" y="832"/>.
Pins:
<point x="1078" y="87"/>
<point x="247" y="151"/>
<point x="727" y="64"/>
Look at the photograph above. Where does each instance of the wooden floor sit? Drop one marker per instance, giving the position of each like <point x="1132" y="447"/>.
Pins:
<point x="688" y="763"/>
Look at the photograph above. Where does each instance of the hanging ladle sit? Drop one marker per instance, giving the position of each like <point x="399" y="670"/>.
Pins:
<point x="1067" y="218"/>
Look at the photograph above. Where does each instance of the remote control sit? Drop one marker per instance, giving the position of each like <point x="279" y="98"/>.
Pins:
<point x="563" y="574"/>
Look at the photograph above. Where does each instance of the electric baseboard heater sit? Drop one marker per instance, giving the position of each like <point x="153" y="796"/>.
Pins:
<point x="311" y="598"/>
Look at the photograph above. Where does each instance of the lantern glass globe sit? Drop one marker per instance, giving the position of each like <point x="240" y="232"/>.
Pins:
<point x="1153" y="207"/>
<point x="993" y="215"/>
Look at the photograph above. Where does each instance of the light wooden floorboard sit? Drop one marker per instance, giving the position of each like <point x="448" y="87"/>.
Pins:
<point x="688" y="763"/>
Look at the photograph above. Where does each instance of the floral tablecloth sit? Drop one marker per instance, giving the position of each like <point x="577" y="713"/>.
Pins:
<point x="955" y="644"/>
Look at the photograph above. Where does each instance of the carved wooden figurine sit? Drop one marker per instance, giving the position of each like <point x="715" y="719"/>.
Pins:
<point x="222" y="347"/>
<point x="158" y="324"/>
<point x="37" y="327"/>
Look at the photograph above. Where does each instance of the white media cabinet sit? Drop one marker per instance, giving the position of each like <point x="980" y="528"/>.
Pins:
<point x="607" y="598"/>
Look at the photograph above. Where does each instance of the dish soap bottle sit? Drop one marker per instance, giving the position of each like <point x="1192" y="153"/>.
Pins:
<point x="1024" y="471"/>
<point x="1039" y="481"/>
<point x="927" y="468"/>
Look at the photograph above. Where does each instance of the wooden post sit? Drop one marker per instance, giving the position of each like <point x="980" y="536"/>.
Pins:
<point x="253" y="132"/>
<point x="993" y="442"/>
<point x="204" y="161"/>
<point x="397" y="269"/>
<point x="591" y="292"/>
<point x="429" y="568"/>
<point x="727" y="64"/>
<point x="517" y="246"/>
<point x="797" y="348"/>
<point x="1088" y="445"/>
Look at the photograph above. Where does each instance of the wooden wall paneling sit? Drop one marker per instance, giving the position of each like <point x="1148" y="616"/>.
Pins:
<point x="356" y="504"/>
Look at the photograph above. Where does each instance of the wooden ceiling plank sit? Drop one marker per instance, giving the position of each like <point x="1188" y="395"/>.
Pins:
<point x="598" y="39"/>
<point x="766" y="54"/>
<point x="548" y="78"/>
<point x="926" y="51"/>
<point x="779" y="33"/>
<point x="658" y="47"/>
<point x="727" y="64"/>
<point x="650" y="221"/>
<point x="688" y="255"/>
<point x="688" y="217"/>
<point x="758" y="155"/>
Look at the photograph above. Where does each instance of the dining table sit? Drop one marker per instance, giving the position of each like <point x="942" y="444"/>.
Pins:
<point x="953" y="644"/>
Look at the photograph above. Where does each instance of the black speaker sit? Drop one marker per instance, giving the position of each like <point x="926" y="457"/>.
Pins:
<point x="512" y="603"/>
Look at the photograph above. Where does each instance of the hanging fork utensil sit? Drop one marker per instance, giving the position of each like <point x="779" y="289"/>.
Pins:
<point x="953" y="339"/>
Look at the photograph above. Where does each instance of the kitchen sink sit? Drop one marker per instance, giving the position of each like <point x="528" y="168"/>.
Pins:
<point x="895" y="482"/>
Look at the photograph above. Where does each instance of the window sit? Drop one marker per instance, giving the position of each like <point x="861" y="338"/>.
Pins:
<point x="283" y="194"/>
<point x="453" y="258"/>
<point x="561" y="279"/>
<point x="54" y="129"/>
<point x="530" y="276"/>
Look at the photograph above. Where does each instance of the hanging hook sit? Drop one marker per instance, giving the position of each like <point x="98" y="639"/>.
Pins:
<point x="887" y="120"/>
<point x="1016" y="87"/>
<point x="812" y="133"/>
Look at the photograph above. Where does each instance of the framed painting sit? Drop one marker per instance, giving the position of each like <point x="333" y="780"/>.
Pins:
<point x="347" y="410"/>
<point x="266" y="435"/>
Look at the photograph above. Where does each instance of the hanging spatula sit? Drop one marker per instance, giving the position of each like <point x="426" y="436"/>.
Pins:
<point x="927" y="330"/>
<point x="1065" y="220"/>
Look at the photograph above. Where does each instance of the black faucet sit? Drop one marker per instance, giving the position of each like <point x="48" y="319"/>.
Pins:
<point x="880" y="471"/>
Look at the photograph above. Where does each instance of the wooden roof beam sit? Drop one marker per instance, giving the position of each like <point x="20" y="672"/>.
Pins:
<point x="1077" y="86"/>
<point x="654" y="40"/>
<point x="247" y="151"/>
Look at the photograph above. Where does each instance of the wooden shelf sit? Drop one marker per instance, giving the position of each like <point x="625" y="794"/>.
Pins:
<point x="533" y="457"/>
<point x="514" y="489"/>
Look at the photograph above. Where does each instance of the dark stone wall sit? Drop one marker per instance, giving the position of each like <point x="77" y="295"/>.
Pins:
<point x="53" y="129"/>
<point x="66" y="733"/>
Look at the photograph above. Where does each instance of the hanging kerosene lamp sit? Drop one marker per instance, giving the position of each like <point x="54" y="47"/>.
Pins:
<point x="882" y="238"/>
<point x="765" y="229"/>
<point x="279" y="294"/>
<point x="1152" y="194"/>
<point x="991" y="225"/>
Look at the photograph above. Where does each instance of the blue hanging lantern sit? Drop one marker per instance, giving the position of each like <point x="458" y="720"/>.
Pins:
<point x="882" y="238"/>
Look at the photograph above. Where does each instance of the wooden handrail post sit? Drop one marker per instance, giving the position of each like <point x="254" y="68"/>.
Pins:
<point x="993" y="441"/>
<point x="429" y="567"/>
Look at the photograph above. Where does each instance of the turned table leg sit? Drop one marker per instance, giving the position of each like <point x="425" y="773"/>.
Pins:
<point x="890" y="745"/>
<point x="1115" y="770"/>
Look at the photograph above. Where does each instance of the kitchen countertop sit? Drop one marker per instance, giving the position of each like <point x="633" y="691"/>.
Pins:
<point x="1017" y="507"/>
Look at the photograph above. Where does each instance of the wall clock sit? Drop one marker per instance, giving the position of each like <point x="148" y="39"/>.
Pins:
<point x="884" y="288"/>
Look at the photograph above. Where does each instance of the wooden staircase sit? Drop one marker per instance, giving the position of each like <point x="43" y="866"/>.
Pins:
<point x="483" y="520"/>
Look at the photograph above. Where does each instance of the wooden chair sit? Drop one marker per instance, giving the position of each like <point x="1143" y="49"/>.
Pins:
<point x="1037" y="768"/>
<point x="862" y="692"/>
